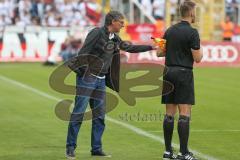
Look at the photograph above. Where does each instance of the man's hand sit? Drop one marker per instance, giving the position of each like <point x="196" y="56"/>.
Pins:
<point x="160" y="52"/>
<point x="154" y="47"/>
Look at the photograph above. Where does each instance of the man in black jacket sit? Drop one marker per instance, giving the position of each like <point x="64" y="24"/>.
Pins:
<point x="100" y="61"/>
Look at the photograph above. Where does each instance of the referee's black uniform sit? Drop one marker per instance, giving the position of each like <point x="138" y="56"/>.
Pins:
<point x="181" y="38"/>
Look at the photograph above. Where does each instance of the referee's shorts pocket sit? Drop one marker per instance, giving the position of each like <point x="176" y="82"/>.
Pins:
<point x="185" y="76"/>
<point x="185" y="88"/>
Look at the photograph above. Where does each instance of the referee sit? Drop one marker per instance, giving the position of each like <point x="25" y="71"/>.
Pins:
<point x="182" y="49"/>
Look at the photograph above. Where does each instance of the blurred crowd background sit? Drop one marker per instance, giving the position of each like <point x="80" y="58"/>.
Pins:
<point x="214" y="16"/>
<point x="217" y="20"/>
<point x="48" y="12"/>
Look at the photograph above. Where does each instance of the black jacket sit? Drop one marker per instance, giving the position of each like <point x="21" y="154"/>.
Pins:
<point x="97" y="44"/>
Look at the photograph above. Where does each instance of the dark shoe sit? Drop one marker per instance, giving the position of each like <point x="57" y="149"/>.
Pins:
<point x="169" y="155"/>
<point x="100" y="154"/>
<point x="70" y="153"/>
<point x="187" y="156"/>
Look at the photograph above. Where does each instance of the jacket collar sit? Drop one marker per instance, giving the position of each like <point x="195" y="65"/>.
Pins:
<point x="106" y="30"/>
<point x="185" y="22"/>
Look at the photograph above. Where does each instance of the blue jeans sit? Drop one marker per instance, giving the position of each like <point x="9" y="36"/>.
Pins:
<point x="66" y="55"/>
<point x="90" y="87"/>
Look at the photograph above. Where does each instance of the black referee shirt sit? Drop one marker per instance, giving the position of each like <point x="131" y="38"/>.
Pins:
<point x="181" y="38"/>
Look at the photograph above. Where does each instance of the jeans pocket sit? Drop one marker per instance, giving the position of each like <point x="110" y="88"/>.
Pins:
<point x="88" y="80"/>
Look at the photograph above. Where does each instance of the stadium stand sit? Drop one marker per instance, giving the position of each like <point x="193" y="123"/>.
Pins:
<point x="49" y="12"/>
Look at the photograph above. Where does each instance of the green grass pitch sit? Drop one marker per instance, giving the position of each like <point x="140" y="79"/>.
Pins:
<point x="29" y="129"/>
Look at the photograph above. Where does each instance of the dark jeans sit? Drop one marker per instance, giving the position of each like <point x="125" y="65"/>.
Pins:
<point x="90" y="87"/>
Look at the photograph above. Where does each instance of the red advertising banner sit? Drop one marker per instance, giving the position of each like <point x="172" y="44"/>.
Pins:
<point x="33" y="47"/>
<point x="214" y="54"/>
<point x="141" y="32"/>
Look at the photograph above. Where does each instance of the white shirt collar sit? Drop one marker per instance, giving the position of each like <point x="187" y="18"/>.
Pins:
<point x="111" y="36"/>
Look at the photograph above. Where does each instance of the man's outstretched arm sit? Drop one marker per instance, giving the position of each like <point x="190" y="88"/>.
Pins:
<point x="128" y="47"/>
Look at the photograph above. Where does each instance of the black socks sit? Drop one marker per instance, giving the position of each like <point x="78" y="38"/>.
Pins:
<point x="183" y="133"/>
<point x="168" y="125"/>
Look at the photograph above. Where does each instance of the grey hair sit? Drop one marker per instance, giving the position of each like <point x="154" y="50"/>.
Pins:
<point x="112" y="15"/>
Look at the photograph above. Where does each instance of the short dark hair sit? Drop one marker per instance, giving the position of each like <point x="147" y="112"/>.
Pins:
<point x="112" y="15"/>
<point x="186" y="7"/>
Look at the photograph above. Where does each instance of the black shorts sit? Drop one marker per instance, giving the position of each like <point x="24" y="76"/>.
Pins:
<point x="183" y="82"/>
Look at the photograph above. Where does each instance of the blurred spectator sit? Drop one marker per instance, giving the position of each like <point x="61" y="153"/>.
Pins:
<point x="18" y="22"/>
<point x="37" y="8"/>
<point x="236" y="37"/>
<point x="24" y="7"/>
<point x="228" y="29"/>
<point x="229" y="7"/>
<point x="6" y="12"/>
<point x="70" y="48"/>
<point x="173" y="10"/>
<point x="147" y="5"/>
<point x="8" y="8"/>
<point x="159" y="8"/>
<point x="49" y="12"/>
<point x="34" y="8"/>
<point x="114" y="4"/>
<point x="26" y="18"/>
<point x="52" y="19"/>
<point x="80" y="7"/>
<point x="232" y="8"/>
<point x="2" y="22"/>
<point x="66" y="11"/>
<point x="79" y="19"/>
<point x="36" y="21"/>
<point x="236" y="6"/>
<point x="5" y="20"/>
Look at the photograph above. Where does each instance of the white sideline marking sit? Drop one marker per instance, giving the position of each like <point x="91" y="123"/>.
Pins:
<point x="126" y="125"/>
<point x="201" y="130"/>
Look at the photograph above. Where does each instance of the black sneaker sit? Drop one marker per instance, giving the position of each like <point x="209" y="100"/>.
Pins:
<point x="100" y="154"/>
<point x="187" y="156"/>
<point x="70" y="153"/>
<point x="169" y="155"/>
